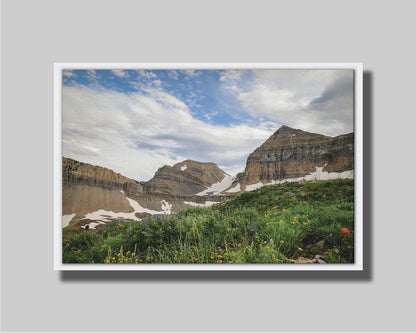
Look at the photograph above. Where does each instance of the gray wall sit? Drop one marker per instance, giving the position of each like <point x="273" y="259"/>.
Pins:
<point x="37" y="33"/>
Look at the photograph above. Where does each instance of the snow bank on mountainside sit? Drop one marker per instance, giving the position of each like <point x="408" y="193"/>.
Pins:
<point x="236" y="188"/>
<point x="101" y="216"/>
<point x="66" y="219"/>
<point x="206" y="204"/>
<point x="317" y="175"/>
<point x="219" y="187"/>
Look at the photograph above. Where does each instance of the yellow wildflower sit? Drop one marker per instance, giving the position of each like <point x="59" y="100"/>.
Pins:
<point x="282" y="241"/>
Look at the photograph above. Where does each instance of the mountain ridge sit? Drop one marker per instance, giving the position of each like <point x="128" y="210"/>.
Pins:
<point x="94" y="193"/>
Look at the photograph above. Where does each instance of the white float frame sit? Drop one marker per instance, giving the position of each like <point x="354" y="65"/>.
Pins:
<point x="358" y="170"/>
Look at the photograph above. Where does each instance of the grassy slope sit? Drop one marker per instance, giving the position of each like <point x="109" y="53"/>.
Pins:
<point x="270" y="225"/>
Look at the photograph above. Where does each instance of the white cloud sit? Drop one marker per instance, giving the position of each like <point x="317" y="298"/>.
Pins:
<point x="120" y="73"/>
<point x="319" y="101"/>
<point x="136" y="134"/>
<point x="191" y="73"/>
<point x="231" y="74"/>
<point x="147" y="74"/>
<point x="68" y="73"/>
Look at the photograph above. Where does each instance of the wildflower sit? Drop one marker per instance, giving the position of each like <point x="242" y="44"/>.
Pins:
<point x="282" y="222"/>
<point x="148" y="258"/>
<point x="352" y="207"/>
<point x="144" y="233"/>
<point x="282" y="241"/>
<point x="300" y="249"/>
<point x="294" y="213"/>
<point x="158" y="217"/>
<point x="267" y="223"/>
<point x="144" y="224"/>
<point x="345" y="231"/>
<point x="158" y="251"/>
<point x="265" y="242"/>
<point x="254" y="229"/>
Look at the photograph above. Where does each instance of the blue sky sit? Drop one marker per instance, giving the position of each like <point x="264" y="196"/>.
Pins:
<point x="134" y="121"/>
<point x="201" y="90"/>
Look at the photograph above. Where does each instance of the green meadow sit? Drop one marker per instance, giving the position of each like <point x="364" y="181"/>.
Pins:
<point x="275" y="224"/>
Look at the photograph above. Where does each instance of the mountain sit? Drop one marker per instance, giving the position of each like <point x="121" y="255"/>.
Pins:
<point x="292" y="154"/>
<point x="93" y="195"/>
<point x="189" y="177"/>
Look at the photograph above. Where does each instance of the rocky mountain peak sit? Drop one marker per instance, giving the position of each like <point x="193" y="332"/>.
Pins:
<point x="186" y="177"/>
<point x="292" y="153"/>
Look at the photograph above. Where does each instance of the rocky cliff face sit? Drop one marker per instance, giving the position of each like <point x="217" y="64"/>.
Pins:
<point x="187" y="177"/>
<point x="291" y="153"/>
<point x="95" y="195"/>
<point x="75" y="172"/>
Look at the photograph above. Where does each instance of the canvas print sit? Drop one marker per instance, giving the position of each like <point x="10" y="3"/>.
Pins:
<point x="207" y="166"/>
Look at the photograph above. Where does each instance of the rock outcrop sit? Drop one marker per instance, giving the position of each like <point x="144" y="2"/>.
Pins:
<point x="292" y="153"/>
<point x="95" y="195"/>
<point x="187" y="177"/>
<point x="79" y="173"/>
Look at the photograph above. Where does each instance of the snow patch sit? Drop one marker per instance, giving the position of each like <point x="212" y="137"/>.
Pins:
<point x="122" y="192"/>
<point x="184" y="167"/>
<point x="234" y="189"/>
<point x="101" y="216"/>
<point x="317" y="175"/>
<point x="253" y="187"/>
<point x="166" y="207"/>
<point x="206" y="204"/>
<point x="66" y="219"/>
<point x="219" y="187"/>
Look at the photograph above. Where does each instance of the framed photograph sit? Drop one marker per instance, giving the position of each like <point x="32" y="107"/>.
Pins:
<point x="208" y="166"/>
